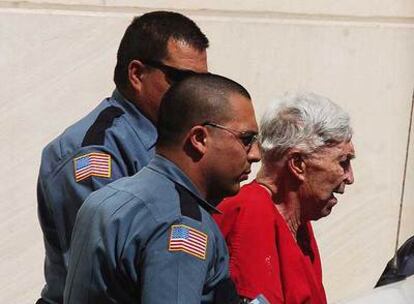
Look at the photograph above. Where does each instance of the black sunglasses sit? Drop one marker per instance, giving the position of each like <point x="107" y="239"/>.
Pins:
<point x="172" y="74"/>
<point x="246" y="138"/>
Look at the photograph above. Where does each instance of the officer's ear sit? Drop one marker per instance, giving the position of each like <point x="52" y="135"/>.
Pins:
<point x="197" y="138"/>
<point x="136" y="72"/>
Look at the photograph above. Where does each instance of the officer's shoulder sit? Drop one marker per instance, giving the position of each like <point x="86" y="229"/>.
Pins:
<point x="111" y="200"/>
<point x="166" y="200"/>
<point x="86" y="131"/>
<point x="95" y="134"/>
<point x="90" y="131"/>
<point x="189" y="203"/>
<point x="169" y="201"/>
<point x="147" y="189"/>
<point x="116" y="213"/>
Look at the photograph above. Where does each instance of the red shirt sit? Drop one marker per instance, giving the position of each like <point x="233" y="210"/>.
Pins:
<point x="264" y="256"/>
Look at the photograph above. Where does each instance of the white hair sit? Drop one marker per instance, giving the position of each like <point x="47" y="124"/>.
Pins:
<point x="302" y="120"/>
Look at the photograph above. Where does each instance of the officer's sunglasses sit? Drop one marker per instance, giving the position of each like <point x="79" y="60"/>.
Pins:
<point x="246" y="138"/>
<point x="172" y="74"/>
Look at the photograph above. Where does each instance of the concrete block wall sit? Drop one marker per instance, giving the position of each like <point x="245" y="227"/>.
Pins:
<point x="57" y="59"/>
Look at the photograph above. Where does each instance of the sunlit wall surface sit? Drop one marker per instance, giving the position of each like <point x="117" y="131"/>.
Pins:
<point x="56" y="63"/>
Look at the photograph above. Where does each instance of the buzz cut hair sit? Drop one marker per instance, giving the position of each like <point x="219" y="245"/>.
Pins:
<point x="195" y="100"/>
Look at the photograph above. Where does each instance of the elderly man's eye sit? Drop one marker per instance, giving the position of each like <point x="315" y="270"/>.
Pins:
<point x="345" y="164"/>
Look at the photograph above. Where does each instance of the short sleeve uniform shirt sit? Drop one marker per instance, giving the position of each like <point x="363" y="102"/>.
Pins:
<point x="148" y="238"/>
<point x="114" y="140"/>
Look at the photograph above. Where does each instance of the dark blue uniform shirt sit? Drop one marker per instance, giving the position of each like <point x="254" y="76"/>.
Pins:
<point x="148" y="238"/>
<point x="113" y="141"/>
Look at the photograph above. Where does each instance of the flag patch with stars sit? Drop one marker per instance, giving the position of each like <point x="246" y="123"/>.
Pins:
<point x="92" y="164"/>
<point x="189" y="240"/>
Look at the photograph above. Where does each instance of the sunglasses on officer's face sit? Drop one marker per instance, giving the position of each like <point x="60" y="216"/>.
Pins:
<point x="172" y="74"/>
<point x="246" y="138"/>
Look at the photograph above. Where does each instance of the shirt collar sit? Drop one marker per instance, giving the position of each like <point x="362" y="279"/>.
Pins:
<point x="143" y="127"/>
<point x="170" y="170"/>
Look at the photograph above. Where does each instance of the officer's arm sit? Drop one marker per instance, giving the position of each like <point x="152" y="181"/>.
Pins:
<point x="54" y="264"/>
<point x="174" y="271"/>
<point x="65" y="189"/>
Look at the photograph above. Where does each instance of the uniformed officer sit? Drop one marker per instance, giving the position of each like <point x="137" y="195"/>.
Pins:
<point x="117" y="138"/>
<point x="149" y="238"/>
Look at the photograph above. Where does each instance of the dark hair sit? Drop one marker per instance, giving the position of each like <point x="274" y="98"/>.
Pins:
<point x="195" y="100"/>
<point x="147" y="36"/>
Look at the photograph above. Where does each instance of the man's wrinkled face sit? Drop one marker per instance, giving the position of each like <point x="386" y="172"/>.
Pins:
<point x="327" y="171"/>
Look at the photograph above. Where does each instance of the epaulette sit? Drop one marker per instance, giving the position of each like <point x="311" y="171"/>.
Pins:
<point x="96" y="133"/>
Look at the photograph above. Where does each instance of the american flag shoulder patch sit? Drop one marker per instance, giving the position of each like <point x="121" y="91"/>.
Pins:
<point x="186" y="239"/>
<point x="92" y="164"/>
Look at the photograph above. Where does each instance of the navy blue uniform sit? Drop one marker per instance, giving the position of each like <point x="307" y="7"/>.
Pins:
<point x="113" y="141"/>
<point x="148" y="238"/>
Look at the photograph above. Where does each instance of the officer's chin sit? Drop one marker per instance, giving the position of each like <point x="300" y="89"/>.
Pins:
<point x="225" y="192"/>
<point x="233" y="190"/>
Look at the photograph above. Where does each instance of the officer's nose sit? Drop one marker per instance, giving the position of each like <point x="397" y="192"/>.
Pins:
<point x="253" y="155"/>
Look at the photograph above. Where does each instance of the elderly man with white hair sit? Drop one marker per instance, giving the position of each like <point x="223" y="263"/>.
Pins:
<point x="306" y="146"/>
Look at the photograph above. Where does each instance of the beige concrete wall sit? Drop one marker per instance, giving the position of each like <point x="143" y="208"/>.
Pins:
<point x="57" y="58"/>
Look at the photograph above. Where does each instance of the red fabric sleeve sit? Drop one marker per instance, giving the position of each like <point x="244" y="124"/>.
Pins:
<point x="248" y="224"/>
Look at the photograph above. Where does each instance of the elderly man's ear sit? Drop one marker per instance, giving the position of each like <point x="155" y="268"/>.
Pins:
<point x="296" y="164"/>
